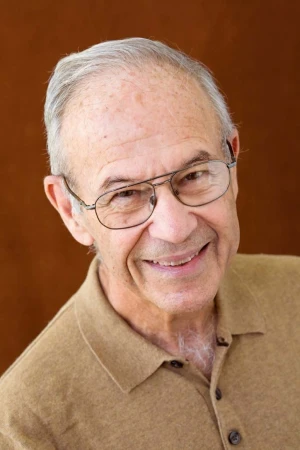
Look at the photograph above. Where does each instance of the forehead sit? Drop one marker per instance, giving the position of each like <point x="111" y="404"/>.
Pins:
<point x="122" y="119"/>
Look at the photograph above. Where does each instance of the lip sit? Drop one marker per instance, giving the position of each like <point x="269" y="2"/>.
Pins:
<point x="184" y="269"/>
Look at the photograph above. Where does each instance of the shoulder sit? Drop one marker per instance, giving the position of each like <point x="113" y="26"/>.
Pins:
<point x="36" y="390"/>
<point x="274" y="281"/>
<point x="43" y="368"/>
<point x="263" y="269"/>
<point x="33" y="390"/>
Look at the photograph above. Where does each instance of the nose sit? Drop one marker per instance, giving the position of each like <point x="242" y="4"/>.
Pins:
<point x="171" y="221"/>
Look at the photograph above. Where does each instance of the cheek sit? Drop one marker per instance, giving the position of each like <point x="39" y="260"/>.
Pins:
<point x="221" y="216"/>
<point x="117" y="246"/>
<point x="222" y="219"/>
<point x="228" y="229"/>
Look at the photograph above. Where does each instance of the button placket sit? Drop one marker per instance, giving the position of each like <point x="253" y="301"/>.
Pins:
<point x="220" y="355"/>
<point x="225" y="414"/>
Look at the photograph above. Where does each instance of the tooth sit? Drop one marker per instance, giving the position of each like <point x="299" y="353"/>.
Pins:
<point x="172" y="263"/>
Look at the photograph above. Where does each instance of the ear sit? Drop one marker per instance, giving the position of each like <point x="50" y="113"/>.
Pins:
<point x="235" y="143"/>
<point x="58" y="198"/>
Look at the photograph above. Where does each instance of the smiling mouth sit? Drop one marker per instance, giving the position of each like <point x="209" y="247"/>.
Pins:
<point x="180" y="262"/>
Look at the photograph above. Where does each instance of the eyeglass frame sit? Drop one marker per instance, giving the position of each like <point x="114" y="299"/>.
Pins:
<point x="169" y="180"/>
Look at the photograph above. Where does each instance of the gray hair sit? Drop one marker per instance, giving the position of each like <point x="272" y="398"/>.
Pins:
<point x="71" y="71"/>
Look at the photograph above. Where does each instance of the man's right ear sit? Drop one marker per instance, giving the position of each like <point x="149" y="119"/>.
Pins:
<point x="58" y="198"/>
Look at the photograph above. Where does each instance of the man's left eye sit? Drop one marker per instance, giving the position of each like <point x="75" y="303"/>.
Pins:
<point x="194" y="175"/>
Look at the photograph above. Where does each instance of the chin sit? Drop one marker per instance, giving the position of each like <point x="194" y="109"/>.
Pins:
<point x="184" y="302"/>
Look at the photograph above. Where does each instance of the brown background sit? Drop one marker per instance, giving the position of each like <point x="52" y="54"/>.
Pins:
<point x="253" y="49"/>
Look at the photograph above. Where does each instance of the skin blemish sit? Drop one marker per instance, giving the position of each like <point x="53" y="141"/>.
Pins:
<point x="139" y="98"/>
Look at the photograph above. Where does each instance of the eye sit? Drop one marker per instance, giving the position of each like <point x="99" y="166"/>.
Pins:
<point x="194" y="175"/>
<point x="125" y="197"/>
<point x="129" y="197"/>
<point x="123" y="194"/>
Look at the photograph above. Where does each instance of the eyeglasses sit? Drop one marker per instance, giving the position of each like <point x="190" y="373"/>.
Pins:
<point x="133" y="204"/>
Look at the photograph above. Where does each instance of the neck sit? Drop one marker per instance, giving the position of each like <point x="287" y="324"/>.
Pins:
<point x="193" y="338"/>
<point x="190" y="335"/>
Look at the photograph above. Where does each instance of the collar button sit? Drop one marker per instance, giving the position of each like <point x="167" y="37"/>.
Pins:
<point x="218" y="394"/>
<point x="176" y="364"/>
<point x="222" y="341"/>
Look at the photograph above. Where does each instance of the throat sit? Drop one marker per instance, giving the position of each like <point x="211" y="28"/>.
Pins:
<point x="198" y="349"/>
<point x="195" y="344"/>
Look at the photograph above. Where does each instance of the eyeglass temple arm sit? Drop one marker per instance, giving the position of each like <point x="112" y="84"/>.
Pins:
<point x="233" y="158"/>
<point x="81" y="202"/>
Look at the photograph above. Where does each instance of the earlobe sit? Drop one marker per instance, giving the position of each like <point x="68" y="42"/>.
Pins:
<point x="58" y="198"/>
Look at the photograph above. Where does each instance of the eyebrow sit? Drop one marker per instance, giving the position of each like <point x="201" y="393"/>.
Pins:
<point x="110" y="181"/>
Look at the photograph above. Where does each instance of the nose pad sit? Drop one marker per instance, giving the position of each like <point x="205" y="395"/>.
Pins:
<point x="153" y="200"/>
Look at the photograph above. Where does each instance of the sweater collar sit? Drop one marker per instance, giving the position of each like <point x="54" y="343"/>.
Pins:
<point x="125" y="355"/>
<point x="237" y="306"/>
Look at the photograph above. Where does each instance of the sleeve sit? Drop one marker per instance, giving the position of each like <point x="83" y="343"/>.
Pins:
<point x="23" y="443"/>
<point x="12" y="440"/>
<point x="21" y="427"/>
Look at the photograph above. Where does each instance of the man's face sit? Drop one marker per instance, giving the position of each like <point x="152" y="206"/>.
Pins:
<point x="143" y="126"/>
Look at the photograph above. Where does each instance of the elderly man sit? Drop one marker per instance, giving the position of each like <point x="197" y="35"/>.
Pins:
<point x="164" y="346"/>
